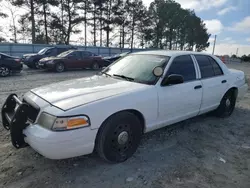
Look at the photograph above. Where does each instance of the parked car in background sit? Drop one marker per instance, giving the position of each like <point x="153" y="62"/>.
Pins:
<point x="31" y="60"/>
<point x="111" y="111"/>
<point x="111" y="59"/>
<point x="72" y="59"/>
<point x="9" y="64"/>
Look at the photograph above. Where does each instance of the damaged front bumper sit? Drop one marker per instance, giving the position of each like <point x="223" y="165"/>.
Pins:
<point x="19" y="117"/>
<point x="16" y="115"/>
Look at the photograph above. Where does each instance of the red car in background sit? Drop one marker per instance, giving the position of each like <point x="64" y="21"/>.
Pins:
<point x="73" y="59"/>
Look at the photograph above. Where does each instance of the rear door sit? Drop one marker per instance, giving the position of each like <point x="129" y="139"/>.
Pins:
<point x="51" y="52"/>
<point x="86" y="59"/>
<point x="214" y="82"/>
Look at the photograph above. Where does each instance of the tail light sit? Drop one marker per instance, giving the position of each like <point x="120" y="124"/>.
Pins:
<point x="17" y="60"/>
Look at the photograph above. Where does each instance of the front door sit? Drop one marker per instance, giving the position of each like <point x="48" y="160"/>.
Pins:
<point x="181" y="101"/>
<point x="87" y="59"/>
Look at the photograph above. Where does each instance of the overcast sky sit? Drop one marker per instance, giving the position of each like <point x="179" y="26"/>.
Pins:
<point x="228" y="19"/>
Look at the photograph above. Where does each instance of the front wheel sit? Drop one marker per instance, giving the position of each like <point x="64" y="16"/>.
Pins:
<point x="36" y="65"/>
<point x="59" y="67"/>
<point x="119" y="137"/>
<point x="227" y="104"/>
<point x="4" y="71"/>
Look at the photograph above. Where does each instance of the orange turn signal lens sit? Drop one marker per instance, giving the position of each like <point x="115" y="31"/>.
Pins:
<point x="77" y="122"/>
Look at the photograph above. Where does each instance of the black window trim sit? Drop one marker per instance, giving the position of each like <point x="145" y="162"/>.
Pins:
<point x="195" y="67"/>
<point x="210" y="62"/>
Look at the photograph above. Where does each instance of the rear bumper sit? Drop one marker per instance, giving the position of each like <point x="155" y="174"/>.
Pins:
<point x="28" y="63"/>
<point x="18" y="68"/>
<point x="242" y="91"/>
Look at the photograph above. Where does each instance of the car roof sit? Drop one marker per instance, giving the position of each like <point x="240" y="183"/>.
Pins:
<point x="169" y="53"/>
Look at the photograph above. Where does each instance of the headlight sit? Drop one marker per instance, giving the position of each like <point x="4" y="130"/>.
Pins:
<point x="50" y="62"/>
<point x="63" y="123"/>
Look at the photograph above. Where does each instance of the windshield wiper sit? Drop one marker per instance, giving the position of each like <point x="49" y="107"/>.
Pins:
<point x="124" y="77"/>
<point x="106" y="74"/>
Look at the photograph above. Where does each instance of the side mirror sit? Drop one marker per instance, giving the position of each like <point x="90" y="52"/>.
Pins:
<point x="172" y="79"/>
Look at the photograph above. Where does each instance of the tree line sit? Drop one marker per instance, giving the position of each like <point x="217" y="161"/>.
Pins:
<point x="164" y="24"/>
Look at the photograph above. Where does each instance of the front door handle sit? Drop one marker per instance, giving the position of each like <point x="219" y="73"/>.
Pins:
<point x="223" y="81"/>
<point x="198" y="87"/>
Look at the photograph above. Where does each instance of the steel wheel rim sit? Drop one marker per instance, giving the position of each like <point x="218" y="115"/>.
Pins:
<point x="4" y="71"/>
<point x="36" y="65"/>
<point x="96" y="66"/>
<point x="121" y="139"/>
<point x="229" y="104"/>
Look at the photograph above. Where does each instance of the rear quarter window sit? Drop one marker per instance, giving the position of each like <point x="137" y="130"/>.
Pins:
<point x="217" y="69"/>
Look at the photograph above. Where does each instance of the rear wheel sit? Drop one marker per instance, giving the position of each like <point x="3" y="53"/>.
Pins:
<point x="4" y="71"/>
<point x="227" y="104"/>
<point x="95" y="66"/>
<point x="119" y="137"/>
<point x="59" y="67"/>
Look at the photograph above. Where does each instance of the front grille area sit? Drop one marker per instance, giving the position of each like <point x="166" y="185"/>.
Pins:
<point x="33" y="112"/>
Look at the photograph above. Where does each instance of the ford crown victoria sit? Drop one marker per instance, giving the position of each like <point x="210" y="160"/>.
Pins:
<point x="109" y="112"/>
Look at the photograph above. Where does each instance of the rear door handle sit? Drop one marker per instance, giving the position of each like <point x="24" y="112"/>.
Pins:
<point x="198" y="87"/>
<point x="223" y="81"/>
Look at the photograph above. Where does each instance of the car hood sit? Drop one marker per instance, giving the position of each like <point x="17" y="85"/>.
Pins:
<point x="70" y="94"/>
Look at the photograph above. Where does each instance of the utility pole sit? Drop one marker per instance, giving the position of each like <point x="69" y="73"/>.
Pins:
<point x="214" y="43"/>
<point x="237" y="52"/>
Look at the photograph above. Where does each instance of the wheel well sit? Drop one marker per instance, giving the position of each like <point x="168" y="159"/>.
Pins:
<point x="35" y="60"/>
<point x="135" y="112"/>
<point x="233" y="89"/>
<point x="5" y="66"/>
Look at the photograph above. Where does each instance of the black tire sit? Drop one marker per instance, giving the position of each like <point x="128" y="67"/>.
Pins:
<point x="95" y="66"/>
<point x="59" y="67"/>
<point x="119" y="137"/>
<point x="227" y="104"/>
<point x="30" y="66"/>
<point x="36" y="66"/>
<point x="4" y="71"/>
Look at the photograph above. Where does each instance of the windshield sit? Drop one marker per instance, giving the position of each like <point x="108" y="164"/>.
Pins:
<point x="42" y="51"/>
<point x="64" y="54"/>
<point x="137" y="68"/>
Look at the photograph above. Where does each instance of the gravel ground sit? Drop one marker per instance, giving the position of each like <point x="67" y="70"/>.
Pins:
<point x="201" y="152"/>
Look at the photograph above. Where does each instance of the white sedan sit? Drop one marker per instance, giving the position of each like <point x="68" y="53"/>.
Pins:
<point x="109" y="112"/>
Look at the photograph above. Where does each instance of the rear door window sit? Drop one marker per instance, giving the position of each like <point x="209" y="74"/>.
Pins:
<point x="183" y="65"/>
<point x="205" y="65"/>
<point x="86" y="54"/>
